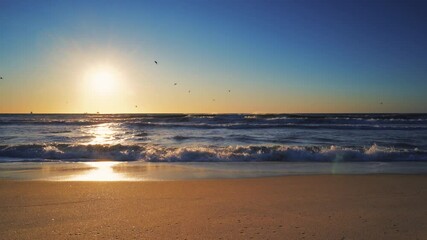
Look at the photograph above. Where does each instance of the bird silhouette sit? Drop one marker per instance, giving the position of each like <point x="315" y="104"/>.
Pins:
<point x="155" y="62"/>
<point x="229" y="90"/>
<point x="189" y="91"/>
<point x="175" y="84"/>
<point x="1" y="77"/>
<point x="136" y="106"/>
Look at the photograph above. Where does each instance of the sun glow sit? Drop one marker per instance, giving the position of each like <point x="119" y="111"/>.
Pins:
<point x="102" y="80"/>
<point x="105" y="87"/>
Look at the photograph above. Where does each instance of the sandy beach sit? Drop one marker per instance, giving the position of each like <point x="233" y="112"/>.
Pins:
<point x="292" y="207"/>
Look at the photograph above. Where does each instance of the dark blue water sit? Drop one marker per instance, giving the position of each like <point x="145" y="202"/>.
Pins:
<point x="214" y="138"/>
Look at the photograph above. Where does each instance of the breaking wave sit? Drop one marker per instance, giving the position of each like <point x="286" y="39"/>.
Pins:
<point x="157" y="153"/>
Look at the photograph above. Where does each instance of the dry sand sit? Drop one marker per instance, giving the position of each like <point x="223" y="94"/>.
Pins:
<point x="295" y="207"/>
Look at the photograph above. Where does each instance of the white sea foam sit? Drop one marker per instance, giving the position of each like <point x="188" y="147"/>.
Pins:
<point x="156" y="153"/>
<point x="216" y="138"/>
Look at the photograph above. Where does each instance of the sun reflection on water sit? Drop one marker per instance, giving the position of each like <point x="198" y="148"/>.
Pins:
<point x="100" y="171"/>
<point x="103" y="134"/>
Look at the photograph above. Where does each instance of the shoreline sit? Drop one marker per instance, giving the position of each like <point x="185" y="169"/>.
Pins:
<point x="149" y="171"/>
<point x="291" y="207"/>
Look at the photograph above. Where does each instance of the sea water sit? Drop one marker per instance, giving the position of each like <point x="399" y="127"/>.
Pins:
<point x="243" y="144"/>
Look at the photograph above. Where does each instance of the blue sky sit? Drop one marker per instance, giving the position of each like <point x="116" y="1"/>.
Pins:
<point x="276" y="56"/>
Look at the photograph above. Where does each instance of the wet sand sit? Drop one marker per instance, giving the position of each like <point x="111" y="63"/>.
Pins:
<point x="292" y="207"/>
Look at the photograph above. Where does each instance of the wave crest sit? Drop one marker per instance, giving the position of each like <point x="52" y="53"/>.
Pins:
<point x="156" y="153"/>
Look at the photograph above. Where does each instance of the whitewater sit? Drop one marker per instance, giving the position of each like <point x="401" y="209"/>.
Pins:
<point x="213" y="137"/>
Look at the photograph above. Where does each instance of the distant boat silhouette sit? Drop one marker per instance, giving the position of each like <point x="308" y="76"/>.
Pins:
<point x="31" y="112"/>
<point x="155" y="62"/>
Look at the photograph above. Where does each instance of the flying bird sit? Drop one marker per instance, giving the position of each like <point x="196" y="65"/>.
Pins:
<point x="189" y="91"/>
<point x="175" y="84"/>
<point x="1" y="77"/>
<point x="229" y="90"/>
<point x="155" y="62"/>
<point x="136" y="106"/>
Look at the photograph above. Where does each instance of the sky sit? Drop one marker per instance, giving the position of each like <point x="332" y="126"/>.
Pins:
<point x="303" y="56"/>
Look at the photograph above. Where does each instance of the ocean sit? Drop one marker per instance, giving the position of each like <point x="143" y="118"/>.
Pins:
<point x="232" y="139"/>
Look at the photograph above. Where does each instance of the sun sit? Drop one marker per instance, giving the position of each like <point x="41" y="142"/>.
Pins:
<point x="102" y="80"/>
<point x="103" y="87"/>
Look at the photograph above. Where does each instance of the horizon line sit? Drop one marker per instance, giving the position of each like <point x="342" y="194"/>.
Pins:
<point x="204" y="113"/>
